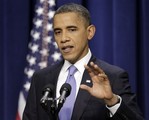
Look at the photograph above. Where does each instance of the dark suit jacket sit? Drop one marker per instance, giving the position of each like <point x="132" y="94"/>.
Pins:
<point x="86" y="106"/>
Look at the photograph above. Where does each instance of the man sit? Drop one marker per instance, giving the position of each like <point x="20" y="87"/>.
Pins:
<point x="102" y="90"/>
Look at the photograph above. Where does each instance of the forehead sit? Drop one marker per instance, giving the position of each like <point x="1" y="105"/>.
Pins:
<point x="64" y="19"/>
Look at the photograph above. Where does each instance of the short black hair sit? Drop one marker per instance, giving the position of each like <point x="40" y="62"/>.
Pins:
<point x="76" y="8"/>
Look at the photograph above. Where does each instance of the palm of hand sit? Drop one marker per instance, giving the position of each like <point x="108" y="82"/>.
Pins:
<point x="101" y="86"/>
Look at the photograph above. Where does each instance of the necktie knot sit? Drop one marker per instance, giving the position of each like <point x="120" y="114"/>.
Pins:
<point x="72" y="70"/>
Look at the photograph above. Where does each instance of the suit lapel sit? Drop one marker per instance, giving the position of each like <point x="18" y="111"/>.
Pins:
<point x="82" y="99"/>
<point x="83" y="96"/>
<point x="52" y="77"/>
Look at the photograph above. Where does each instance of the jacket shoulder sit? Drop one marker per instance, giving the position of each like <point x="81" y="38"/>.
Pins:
<point x="50" y="68"/>
<point x="108" y="67"/>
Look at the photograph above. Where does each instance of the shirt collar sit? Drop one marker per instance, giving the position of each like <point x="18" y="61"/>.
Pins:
<point x="78" y="64"/>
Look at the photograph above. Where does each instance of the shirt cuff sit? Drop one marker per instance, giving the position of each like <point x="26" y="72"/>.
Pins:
<point x="114" y="108"/>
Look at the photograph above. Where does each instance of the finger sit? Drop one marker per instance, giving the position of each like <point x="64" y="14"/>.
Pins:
<point x="102" y="75"/>
<point x="90" y="71"/>
<point x="96" y="68"/>
<point x="85" y="87"/>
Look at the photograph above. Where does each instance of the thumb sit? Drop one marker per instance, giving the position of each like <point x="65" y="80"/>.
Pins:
<point x="85" y="87"/>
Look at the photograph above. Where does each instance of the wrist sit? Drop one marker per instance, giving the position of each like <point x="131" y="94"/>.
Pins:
<point x="113" y="101"/>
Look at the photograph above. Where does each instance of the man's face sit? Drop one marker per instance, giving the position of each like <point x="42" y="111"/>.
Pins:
<point x="72" y="35"/>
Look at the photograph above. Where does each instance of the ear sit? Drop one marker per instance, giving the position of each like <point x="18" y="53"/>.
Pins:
<point x="91" y="31"/>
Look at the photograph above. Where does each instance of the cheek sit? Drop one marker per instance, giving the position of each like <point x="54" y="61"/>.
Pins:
<point x="82" y="41"/>
<point x="56" y="40"/>
<point x="80" y="45"/>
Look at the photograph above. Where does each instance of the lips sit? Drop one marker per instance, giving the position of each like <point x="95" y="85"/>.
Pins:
<point x="67" y="49"/>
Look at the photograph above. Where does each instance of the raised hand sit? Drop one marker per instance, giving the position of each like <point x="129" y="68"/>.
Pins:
<point x="101" y="85"/>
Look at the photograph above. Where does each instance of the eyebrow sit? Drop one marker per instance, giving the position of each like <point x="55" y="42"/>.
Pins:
<point x="71" y="26"/>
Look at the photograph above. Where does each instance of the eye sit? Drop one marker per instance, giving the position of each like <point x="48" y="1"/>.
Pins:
<point x="57" y="32"/>
<point x="72" y="29"/>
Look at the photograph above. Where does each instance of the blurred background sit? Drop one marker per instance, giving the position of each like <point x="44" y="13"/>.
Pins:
<point x="122" y="39"/>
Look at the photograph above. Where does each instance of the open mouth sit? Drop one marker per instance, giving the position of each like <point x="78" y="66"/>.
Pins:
<point x="67" y="49"/>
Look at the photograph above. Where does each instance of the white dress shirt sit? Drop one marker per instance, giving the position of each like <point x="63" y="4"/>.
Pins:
<point x="78" y="76"/>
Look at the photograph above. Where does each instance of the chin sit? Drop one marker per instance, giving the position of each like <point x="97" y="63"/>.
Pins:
<point x="70" y="60"/>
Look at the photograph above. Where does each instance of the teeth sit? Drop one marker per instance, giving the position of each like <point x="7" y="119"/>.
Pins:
<point x="67" y="49"/>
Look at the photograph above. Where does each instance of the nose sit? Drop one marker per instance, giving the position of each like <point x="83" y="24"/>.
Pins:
<point x="64" y="37"/>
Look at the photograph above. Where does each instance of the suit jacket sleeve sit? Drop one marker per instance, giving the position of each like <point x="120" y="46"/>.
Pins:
<point x="128" y="109"/>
